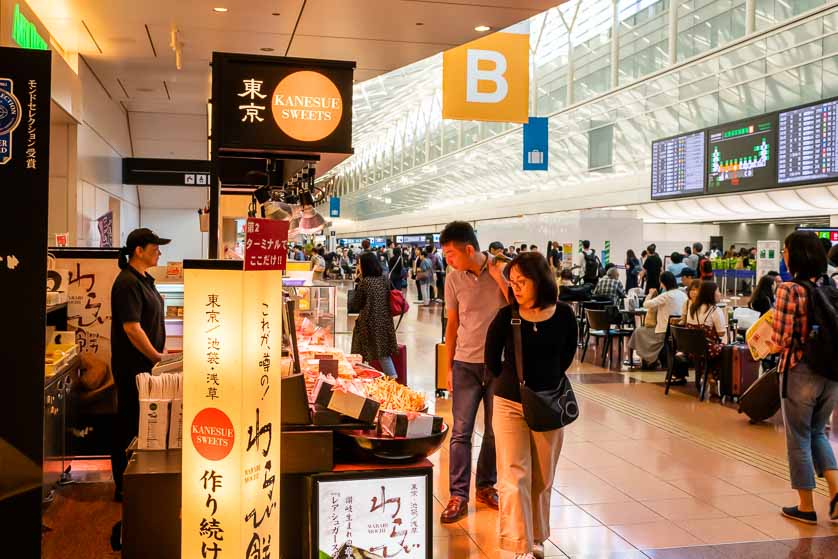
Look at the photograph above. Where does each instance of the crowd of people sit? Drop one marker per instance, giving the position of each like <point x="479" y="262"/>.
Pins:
<point x="508" y="331"/>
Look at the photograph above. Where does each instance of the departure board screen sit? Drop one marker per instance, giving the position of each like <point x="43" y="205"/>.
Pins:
<point x="830" y="233"/>
<point x="741" y="155"/>
<point x="808" y="144"/>
<point x="678" y="166"/>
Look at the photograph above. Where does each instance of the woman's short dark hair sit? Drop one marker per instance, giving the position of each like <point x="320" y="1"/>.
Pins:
<point x="668" y="280"/>
<point x="533" y="266"/>
<point x="651" y="248"/>
<point x="677" y="257"/>
<point x="459" y="232"/>
<point x="806" y="256"/>
<point x="566" y="274"/>
<point x="706" y="296"/>
<point x="370" y="267"/>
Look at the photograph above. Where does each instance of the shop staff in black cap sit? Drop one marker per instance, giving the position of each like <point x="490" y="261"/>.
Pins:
<point x="138" y="336"/>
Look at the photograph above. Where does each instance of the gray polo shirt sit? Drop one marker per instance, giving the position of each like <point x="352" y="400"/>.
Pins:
<point x="477" y="299"/>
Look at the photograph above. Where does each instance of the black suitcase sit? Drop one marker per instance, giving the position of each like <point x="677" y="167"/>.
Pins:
<point x="762" y="400"/>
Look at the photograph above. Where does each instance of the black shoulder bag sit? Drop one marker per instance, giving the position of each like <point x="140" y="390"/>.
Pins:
<point x="544" y="410"/>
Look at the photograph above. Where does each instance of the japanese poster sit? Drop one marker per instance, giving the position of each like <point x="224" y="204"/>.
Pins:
<point x="231" y="407"/>
<point x="265" y="244"/>
<point x="89" y="282"/>
<point x="382" y="517"/>
<point x="105" y="225"/>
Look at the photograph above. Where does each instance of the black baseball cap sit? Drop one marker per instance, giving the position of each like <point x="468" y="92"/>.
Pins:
<point x="142" y="237"/>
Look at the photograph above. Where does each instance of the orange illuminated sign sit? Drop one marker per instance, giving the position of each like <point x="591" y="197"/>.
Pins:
<point x="487" y="79"/>
<point x="307" y="106"/>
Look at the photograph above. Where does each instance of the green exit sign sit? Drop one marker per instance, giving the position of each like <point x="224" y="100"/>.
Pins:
<point x="25" y="34"/>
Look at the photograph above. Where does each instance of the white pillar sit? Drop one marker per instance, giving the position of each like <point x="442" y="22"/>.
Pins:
<point x="615" y="45"/>
<point x="570" y="77"/>
<point x="750" y="16"/>
<point x="673" y="32"/>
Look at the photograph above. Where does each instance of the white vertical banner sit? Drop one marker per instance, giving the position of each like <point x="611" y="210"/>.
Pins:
<point x="231" y="410"/>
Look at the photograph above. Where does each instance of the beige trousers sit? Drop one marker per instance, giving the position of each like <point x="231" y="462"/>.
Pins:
<point x="526" y="467"/>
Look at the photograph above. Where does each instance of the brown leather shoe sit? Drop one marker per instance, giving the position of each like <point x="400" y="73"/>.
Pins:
<point x="457" y="509"/>
<point x="489" y="497"/>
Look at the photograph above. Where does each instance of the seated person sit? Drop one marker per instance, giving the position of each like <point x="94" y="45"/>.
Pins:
<point x="566" y="278"/>
<point x="688" y="275"/>
<point x="648" y="342"/>
<point x="677" y="265"/>
<point x="610" y="286"/>
<point x="705" y="315"/>
<point x="762" y="299"/>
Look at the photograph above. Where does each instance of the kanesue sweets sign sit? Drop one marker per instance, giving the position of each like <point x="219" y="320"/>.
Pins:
<point x="273" y="104"/>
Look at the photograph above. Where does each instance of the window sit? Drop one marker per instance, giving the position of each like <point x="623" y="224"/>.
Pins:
<point x="600" y="147"/>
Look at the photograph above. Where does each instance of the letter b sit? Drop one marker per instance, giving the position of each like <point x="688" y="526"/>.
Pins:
<point x="474" y="76"/>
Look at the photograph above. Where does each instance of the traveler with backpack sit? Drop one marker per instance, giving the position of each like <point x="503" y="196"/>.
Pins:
<point x="806" y="332"/>
<point x="590" y="264"/>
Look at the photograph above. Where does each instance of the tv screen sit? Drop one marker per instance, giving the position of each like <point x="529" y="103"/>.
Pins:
<point x="807" y="149"/>
<point x="830" y="233"/>
<point x="741" y="155"/>
<point x="678" y="166"/>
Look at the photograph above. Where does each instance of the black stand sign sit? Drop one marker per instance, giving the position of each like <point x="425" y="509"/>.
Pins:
<point x="24" y="175"/>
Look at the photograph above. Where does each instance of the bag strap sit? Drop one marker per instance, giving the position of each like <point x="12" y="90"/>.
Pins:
<point x="516" y="342"/>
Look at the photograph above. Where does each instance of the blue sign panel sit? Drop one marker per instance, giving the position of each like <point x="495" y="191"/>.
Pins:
<point x="535" y="144"/>
<point x="334" y="206"/>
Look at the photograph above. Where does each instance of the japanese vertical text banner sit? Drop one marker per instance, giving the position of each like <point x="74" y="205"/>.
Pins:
<point x="231" y="408"/>
<point x="489" y="78"/>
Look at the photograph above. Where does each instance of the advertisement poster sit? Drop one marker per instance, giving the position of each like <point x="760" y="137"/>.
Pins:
<point x="382" y="517"/>
<point x="768" y="257"/>
<point x="265" y="244"/>
<point x="89" y="282"/>
<point x="105" y="225"/>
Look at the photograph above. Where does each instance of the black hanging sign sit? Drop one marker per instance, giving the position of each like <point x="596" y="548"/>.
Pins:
<point x="269" y="104"/>
<point x="24" y="172"/>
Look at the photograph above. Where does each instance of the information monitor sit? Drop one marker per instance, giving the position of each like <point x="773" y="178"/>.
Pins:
<point x="678" y="166"/>
<point x="807" y="146"/>
<point x="741" y="155"/>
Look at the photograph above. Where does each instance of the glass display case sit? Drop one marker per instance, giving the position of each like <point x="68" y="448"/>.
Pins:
<point x="172" y="293"/>
<point x="315" y="305"/>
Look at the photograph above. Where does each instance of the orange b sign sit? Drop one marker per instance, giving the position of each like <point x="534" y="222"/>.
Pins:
<point x="307" y="106"/>
<point x="487" y="79"/>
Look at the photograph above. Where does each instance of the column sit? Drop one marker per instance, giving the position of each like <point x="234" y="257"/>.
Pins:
<point x="750" y="16"/>
<point x="615" y="44"/>
<point x="673" y="31"/>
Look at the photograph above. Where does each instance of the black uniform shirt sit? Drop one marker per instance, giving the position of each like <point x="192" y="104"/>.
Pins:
<point x="134" y="298"/>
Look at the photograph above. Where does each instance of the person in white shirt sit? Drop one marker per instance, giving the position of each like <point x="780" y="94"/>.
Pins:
<point x="648" y="342"/>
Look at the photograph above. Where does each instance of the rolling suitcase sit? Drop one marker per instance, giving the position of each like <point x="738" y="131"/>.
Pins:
<point x="399" y="362"/>
<point x="762" y="399"/>
<point x="739" y="370"/>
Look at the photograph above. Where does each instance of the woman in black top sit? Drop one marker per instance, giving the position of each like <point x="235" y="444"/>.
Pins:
<point x="633" y="268"/>
<point x="526" y="459"/>
<point x="374" y="335"/>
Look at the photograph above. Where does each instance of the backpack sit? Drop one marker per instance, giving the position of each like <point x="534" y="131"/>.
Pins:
<point x="705" y="269"/>
<point x="593" y="267"/>
<point x="819" y="348"/>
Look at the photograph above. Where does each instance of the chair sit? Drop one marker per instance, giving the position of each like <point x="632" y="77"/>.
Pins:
<point x="691" y="342"/>
<point x="599" y="326"/>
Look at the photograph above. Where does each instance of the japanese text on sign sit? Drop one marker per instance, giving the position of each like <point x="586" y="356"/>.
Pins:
<point x="265" y="244"/>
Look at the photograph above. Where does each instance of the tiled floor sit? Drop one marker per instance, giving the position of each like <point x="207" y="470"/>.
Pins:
<point x="627" y="489"/>
<point x="637" y="477"/>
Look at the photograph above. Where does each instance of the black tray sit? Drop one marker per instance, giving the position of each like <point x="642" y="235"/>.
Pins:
<point x="369" y="445"/>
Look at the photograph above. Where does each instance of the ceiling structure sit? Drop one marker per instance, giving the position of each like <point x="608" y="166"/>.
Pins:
<point x="127" y="44"/>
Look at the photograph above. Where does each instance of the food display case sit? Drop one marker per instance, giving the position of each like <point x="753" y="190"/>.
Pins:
<point x="172" y="293"/>
<point x="315" y="304"/>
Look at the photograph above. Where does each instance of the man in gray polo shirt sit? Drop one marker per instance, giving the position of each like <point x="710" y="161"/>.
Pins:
<point x="474" y="292"/>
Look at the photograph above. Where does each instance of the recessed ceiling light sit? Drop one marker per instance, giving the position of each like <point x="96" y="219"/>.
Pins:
<point x="266" y="49"/>
<point x="219" y="10"/>
<point x="275" y="13"/>
<point x="419" y="23"/>
<point x="482" y="28"/>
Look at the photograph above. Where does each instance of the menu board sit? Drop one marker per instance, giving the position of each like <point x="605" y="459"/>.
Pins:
<point x="678" y="166"/>
<point x="741" y="155"/>
<point x="808" y="144"/>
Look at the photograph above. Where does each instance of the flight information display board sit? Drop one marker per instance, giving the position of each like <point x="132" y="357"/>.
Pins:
<point x="808" y="144"/>
<point x="741" y="155"/>
<point x="830" y="233"/>
<point x="678" y="166"/>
